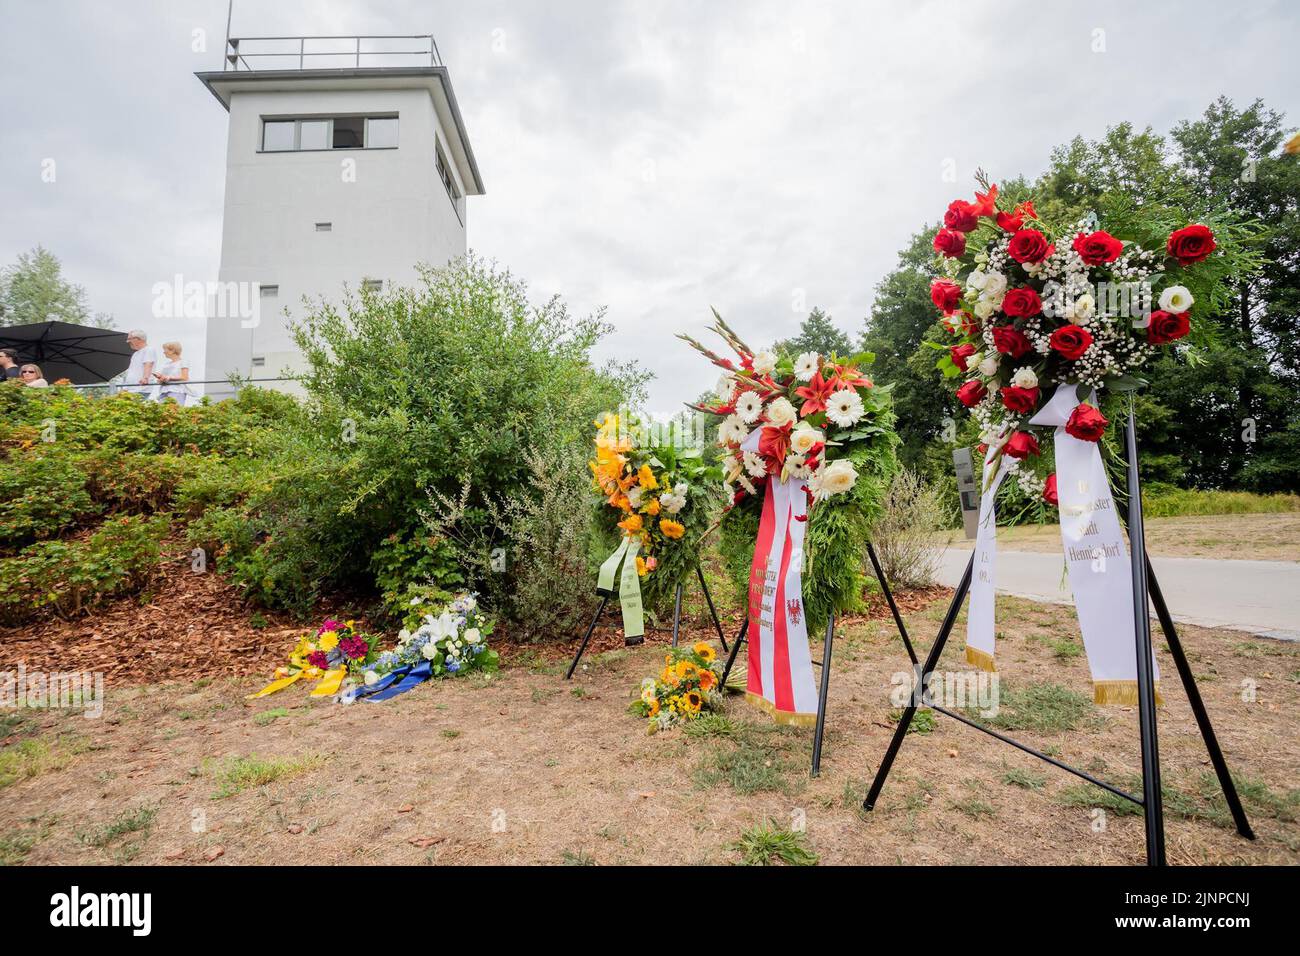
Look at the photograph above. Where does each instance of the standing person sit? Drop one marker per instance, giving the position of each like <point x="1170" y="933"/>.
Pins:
<point x="139" y="374"/>
<point x="172" y="375"/>
<point x="32" y="377"/>
<point x="8" y="363"/>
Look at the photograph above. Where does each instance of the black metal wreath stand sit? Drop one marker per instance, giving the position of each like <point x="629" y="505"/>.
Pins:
<point x="1144" y="586"/>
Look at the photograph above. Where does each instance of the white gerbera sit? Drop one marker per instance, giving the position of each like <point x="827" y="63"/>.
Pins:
<point x="806" y="365"/>
<point x="780" y="412"/>
<point x="844" y="407"/>
<point x="795" y="467"/>
<point x="725" y="388"/>
<point x="1025" y="378"/>
<point x="837" y="477"/>
<point x="732" y="430"/>
<point x="1176" y="298"/>
<point x="749" y="405"/>
<point x="755" y="465"/>
<point x="804" y="437"/>
<point x="764" y="363"/>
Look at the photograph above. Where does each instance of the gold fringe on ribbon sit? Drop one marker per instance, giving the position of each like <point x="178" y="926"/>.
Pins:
<point x="1123" y="692"/>
<point x="981" y="659"/>
<point x="780" y="716"/>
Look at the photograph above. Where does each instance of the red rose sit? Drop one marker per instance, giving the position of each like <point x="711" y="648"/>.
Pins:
<point x="972" y="393"/>
<point x="1019" y="400"/>
<point x="1021" y="303"/>
<point x="1190" y="244"/>
<point x="1010" y="341"/>
<point x="1165" y="327"/>
<point x="950" y="243"/>
<point x="961" y="216"/>
<point x="1021" y="445"/>
<point x="1097" y="248"/>
<point x="945" y="295"/>
<point x="1071" y="341"/>
<point x="1086" y="423"/>
<point x="1049" y="490"/>
<point x="1029" y="245"/>
<point x="960" y="353"/>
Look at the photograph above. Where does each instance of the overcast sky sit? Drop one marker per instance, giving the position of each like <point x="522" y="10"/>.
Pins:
<point x="655" y="158"/>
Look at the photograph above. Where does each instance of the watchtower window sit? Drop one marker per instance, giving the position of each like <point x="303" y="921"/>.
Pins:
<point x="285" y="135"/>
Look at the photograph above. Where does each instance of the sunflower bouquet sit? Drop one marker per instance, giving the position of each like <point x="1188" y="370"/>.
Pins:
<point x="656" y="492"/>
<point x="689" y="684"/>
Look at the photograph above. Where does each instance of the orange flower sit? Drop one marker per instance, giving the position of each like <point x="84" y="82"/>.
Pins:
<point x="671" y="529"/>
<point x="652" y="508"/>
<point x="654" y="708"/>
<point x="708" y="680"/>
<point x="631" y="524"/>
<point x="647" y="478"/>
<point x="641" y="569"/>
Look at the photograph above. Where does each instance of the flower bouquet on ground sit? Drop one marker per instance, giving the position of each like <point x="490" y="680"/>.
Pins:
<point x="816" y="419"/>
<point x="452" y="643"/>
<point x="688" y="685"/>
<point x="327" y="657"/>
<point x="1051" y="326"/>
<point x="655" y="492"/>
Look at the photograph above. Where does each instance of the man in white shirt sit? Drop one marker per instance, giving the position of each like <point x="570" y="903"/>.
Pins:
<point x="139" y="374"/>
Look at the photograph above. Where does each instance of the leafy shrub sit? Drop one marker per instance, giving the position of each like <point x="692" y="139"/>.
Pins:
<point x="72" y="576"/>
<point x="416" y="565"/>
<point x="42" y="494"/>
<point x="133" y="481"/>
<point x="904" y="534"/>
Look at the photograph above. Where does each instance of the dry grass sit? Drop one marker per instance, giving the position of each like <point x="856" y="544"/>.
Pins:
<point x="1257" y="537"/>
<point x="526" y="768"/>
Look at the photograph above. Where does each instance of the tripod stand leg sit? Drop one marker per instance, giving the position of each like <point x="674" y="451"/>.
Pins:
<point x="583" y="646"/>
<point x="677" y="612"/>
<point x="1152" y="804"/>
<point x="931" y="660"/>
<point x="893" y="607"/>
<point x="735" y="649"/>
<point x="1198" y="706"/>
<point x="821" y="697"/>
<point x="712" y="611"/>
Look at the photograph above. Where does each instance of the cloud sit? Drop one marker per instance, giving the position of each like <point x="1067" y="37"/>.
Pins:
<point x="653" y="158"/>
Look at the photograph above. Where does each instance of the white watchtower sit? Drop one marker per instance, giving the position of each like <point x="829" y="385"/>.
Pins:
<point x="347" y="162"/>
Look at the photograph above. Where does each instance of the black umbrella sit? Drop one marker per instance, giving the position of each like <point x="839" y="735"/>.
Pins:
<point x="79" y="353"/>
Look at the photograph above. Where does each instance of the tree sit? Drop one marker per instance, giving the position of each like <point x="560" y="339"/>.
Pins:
<point x="33" y="290"/>
<point x="819" y="334"/>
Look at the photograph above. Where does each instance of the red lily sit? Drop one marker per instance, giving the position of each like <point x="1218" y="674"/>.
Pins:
<point x="774" y="445"/>
<point x="846" y="376"/>
<point x="815" y="394"/>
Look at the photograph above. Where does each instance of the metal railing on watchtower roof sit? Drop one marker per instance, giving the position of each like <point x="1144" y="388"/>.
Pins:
<point x="329" y="53"/>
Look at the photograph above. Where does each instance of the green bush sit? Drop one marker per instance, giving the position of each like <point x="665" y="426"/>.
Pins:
<point x="73" y="576"/>
<point x="43" y="493"/>
<point x="134" y="482"/>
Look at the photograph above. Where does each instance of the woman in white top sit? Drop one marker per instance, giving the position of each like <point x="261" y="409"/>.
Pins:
<point x="172" y="374"/>
<point x="31" y="376"/>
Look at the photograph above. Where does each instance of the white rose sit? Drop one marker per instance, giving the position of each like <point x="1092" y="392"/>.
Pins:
<point x="371" y="677"/>
<point x="803" y="438"/>
<point x="989" y="365"/>
<point x="995" y="284"/>
<point x="1083" y="309"/>
<point x="983" y="309"/>
<point x="1025" y="378"/>
<point x="977" y="279"/>
<point x="680" y="489"/>
<point x="472" y="635"/>
<point x="838" y="477"/>
<point x="1176" y="298"/>
<point x="780" y="412"/>
<point x="429" y="651"/>
<point x="764" y="363"/>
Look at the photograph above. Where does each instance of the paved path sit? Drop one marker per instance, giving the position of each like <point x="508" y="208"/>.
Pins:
<point x="1260" y="597"/>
